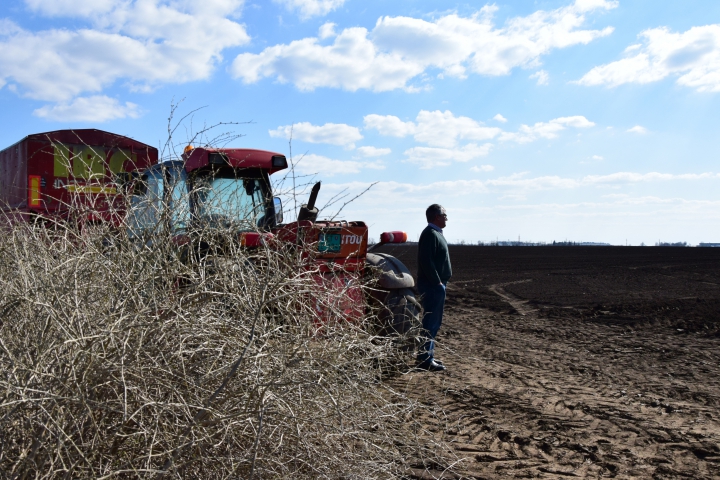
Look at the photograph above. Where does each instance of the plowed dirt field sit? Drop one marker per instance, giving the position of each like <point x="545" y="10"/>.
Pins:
<point x="575" y="362"/>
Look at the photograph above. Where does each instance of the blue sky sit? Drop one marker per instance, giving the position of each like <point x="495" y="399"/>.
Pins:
<point x="587" y="120"/>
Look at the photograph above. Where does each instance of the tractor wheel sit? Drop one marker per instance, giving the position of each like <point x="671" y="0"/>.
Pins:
<point x="399" y="317"/>
<point x="393" y="299"/>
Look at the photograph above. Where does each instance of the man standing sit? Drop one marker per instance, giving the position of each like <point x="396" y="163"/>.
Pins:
<point x="434" y="271"/>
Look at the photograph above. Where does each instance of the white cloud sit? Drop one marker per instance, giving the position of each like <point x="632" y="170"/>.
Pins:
<point x="443" y="129"/>
<point x="482" y="168"/>
<point x="616" y="195"/>
<point x="692" y="56"/>
<point x="386" y="193"/>
<point x="593" y="159"/>
<point x="518" y="181"/>
<point x="97" y="108"/>
<point x="373" y="151"/>
<point x="548" y="130"/>
<point x="637" y="129"/>
<point x="398" y="49"/>
<point x="430" y="157"/>
<point x="65" y="8"/>
<point x="554" y="182"/>
<point x="500" y="118"/>
<point x="327" y="30"/>
<point x="332" y="133"/>
<point x="352" y="62"/>
<point x="514" y="196"/>
<point x="389" y="125"/>
<point x="439" y="129"/>
<point x="517" y="184"/>
<point x="577" y="121"/>
<point x="311" y="8"/>
<point x="327" y="167"/>
<point x="631" y="177"/>
<point x="542" y="77"/>
<point x="144" y="42"/>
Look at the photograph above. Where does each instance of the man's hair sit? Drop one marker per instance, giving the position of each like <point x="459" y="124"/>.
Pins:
<point x="433" y="211"/>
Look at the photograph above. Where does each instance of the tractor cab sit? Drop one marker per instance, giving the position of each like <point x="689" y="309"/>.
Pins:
<point x="209" y="188"/>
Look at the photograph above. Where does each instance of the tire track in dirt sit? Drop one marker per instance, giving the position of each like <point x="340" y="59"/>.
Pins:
<point x="516" y="302"/>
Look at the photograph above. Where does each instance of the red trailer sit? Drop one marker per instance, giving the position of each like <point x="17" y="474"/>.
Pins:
<point x="45" y="173"/>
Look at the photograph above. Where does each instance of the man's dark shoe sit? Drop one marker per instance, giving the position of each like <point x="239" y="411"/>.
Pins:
<point x="434" y="360"/>
<point x="431" y="366"/>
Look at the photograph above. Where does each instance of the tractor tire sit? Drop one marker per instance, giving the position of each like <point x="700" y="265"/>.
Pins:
<point x="397" y="310"/>
<point x="400" y="317"/>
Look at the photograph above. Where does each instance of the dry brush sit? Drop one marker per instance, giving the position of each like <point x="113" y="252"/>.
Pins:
<point x="124" y="357"/>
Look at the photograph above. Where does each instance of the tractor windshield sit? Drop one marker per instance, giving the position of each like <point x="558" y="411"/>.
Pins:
<point x="226" y="200"/>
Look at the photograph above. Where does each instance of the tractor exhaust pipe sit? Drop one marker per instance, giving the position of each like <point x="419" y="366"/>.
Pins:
<point x="313" y="196"/>
<point x="308" y="210"/>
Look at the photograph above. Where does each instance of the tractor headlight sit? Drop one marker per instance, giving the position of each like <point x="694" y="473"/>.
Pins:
<point x="279" y="161"/>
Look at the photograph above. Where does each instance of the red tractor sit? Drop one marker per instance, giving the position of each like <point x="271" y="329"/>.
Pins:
<point x="231" y="188"/>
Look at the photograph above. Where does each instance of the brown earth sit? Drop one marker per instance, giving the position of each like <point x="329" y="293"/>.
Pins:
<point x="575" y="362"/>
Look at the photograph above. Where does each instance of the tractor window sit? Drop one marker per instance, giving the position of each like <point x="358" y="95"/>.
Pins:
<point x="179" y="201"/>
<point x="146" y="205"/>
<point x="225" y="200"/>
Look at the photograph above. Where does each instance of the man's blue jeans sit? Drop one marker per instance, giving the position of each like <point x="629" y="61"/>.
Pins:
<point x="433" y="302"/>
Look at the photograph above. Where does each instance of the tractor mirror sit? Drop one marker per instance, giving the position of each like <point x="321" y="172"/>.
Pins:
<point x="277" y="205"/>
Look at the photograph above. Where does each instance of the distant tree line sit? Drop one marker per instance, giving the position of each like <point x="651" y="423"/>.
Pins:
<point x="554" y="243"/>
<point x="513" y="243"/>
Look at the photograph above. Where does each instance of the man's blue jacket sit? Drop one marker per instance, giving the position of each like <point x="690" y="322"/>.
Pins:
<point x="433" y="257"/>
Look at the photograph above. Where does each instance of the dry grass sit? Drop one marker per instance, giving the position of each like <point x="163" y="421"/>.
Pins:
<point x="121" y="359"/>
